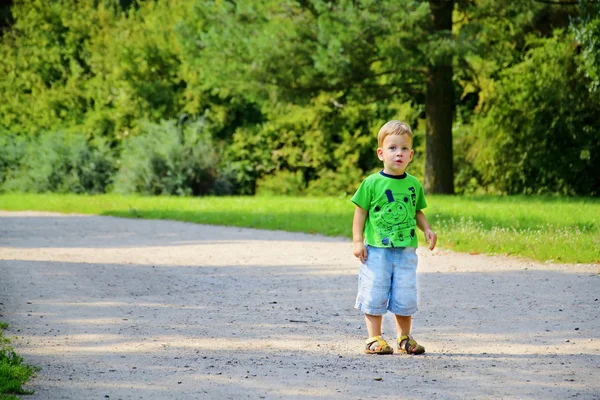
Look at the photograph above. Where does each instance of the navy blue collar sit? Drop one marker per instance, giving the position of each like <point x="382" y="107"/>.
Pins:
<point x="393" y="176"/>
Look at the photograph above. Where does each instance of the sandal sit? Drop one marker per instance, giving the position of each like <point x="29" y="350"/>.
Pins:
<point x="410" y="345"/>
<point x="377" y="345"/>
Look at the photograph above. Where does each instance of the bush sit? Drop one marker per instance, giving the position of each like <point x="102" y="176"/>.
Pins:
<point x="57" y="162"/>
<point x="12" y="150"/>
<point x="537" y="136"/>
<point x="281" y="183"/>
<point x="467" y="179"/>
<point x="13" y="371"/>
<point x="170" y="159"/>
<point x="323" y="147"/>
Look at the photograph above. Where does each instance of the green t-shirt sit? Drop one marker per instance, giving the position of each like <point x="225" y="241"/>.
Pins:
<point x="392" y="203"/>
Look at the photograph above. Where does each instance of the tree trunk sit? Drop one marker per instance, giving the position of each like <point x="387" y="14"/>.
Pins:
<point x="439" y="111"/>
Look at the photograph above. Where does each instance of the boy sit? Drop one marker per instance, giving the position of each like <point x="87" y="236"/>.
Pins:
<point x="388" y="209"/>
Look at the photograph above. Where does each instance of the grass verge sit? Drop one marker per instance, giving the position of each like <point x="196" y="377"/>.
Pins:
<point x="13" y="372"/>
<point x="548" y="229"/>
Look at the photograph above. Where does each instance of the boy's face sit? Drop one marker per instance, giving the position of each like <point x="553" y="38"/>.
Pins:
<point x="396" y="153"/>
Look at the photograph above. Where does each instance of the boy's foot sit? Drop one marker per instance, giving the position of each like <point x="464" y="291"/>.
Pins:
<point x="377" y="345"/>
<point x="408" y="345"/>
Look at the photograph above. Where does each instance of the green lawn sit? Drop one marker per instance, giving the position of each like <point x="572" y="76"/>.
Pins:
<point x="541" y="228"/>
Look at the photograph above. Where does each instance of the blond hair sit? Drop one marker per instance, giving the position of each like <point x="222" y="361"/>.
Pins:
<point x="393" y="127"/>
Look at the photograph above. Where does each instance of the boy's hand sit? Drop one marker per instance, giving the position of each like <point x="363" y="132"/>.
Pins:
<point x="360" y="251"/>
<point x="431" y="238"/>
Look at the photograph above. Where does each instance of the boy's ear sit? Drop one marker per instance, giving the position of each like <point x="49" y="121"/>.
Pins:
<point x="380" y="153"/>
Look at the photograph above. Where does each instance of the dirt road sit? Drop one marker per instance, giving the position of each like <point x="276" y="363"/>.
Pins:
<point x="115" y="308"/>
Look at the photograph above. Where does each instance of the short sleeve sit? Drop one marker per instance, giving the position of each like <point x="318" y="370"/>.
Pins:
<point x="421" y="202"/>
<point x="362" y="197"/>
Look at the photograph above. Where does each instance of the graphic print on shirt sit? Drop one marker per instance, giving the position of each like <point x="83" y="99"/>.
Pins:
<point x="394" y="220"/>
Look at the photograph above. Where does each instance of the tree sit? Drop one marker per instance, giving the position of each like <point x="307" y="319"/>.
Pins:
<point x="348" y="51"/>
<point x="535" y="137"/>
<point x="297" y="89"/>
<point x="439" y="107"/>
<point x="361" y="52"/>
<point x="587" y="31"/>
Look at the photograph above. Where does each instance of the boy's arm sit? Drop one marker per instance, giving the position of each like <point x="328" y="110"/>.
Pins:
<point x="430" y="236"/>
<point x="358" y="225"/>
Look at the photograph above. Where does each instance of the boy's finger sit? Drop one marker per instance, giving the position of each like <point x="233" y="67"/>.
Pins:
<point x="363" y="256"/>
<point x="433" y="242"/>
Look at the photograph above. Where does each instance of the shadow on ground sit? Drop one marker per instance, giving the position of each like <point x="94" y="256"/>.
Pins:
<point x="269" y="315"/>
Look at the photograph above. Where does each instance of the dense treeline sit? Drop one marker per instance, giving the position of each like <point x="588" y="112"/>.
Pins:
<point x="194" y="97"/>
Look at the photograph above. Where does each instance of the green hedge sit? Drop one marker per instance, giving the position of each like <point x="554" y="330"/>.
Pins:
<point x="55" y="162"/>
<point x="171" y="160"/>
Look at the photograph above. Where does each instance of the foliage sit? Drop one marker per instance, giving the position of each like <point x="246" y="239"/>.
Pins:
<point x="587" y="31"/>
<point x="329" y="75"/>
<point x="12" y="151"/>
<point x="546" y="141"/>
<point x="168" y="159"/>
<point x="57" y="162"/>
<point x="328" y="147"/>
<point x="297" y="88"/>
<point x="467" y="179"/>
<point x="13" y="371"/>
<point x="89" y="65"/>
<point x="281" y="183"/>
<point x="45" y="59"/>
<point x="136" y="69"/>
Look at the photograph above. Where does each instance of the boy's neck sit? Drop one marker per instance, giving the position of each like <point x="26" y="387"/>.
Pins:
<point x="387" y="175"/>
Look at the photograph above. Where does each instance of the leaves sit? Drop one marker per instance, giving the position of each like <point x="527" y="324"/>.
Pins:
<point x="300" y="88"/>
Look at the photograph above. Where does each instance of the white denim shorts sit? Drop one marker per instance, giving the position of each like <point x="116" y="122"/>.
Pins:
<point x="388" y="281"/>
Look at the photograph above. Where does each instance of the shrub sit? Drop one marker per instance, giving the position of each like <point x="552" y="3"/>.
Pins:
<point x="281" y="183"/>
<point x="325" y="147"/>
<point x="13" y="371"/>
<point x="58" y="162"/>
<point x="537" y="137"/>
<point x="169" y="159"/>
<point x="12" y="150"/>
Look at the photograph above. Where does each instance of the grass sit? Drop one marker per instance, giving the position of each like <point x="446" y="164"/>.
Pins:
<point x="13" y="372"/>
<point x="548" y="229"/>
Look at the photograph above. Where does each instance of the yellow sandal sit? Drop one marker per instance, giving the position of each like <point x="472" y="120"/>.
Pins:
<point x="410" y="345"/>
<point x="377" y="345"/>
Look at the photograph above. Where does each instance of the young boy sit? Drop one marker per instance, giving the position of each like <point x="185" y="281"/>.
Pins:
<point x="388" y="209"/>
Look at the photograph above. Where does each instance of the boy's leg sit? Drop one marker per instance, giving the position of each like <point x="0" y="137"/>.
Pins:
<point x="374" y="284"/>
<point x="373" y="324"/>
<point x="403" y="299"/>
<point x="375" y="344"/>
<point x="406" y="344"/>
<point x="403" y="324"/>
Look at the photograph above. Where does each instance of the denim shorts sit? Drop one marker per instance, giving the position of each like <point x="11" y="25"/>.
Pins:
<point x="388" y="281"/>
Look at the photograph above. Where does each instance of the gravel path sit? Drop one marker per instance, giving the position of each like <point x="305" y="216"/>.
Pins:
<point x="115" y="308"/>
